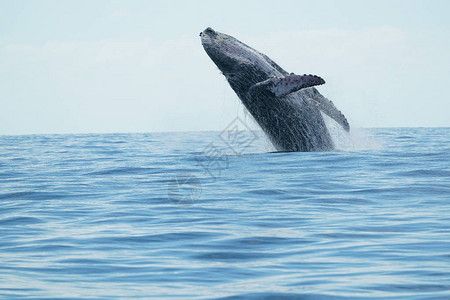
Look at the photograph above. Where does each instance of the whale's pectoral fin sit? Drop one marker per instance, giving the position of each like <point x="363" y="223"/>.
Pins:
<point x="328" y="108"/>
<point x="287" y="84"/>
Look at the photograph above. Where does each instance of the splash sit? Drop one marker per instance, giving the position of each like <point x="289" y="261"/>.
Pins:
<point x="357" y="139"/>
<point x="262" y="143"/>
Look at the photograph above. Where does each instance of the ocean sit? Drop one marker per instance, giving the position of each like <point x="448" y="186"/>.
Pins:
<point x="220" y="215"/>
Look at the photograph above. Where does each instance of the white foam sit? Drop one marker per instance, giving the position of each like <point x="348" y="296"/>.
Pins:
<point x="357" y="139"/>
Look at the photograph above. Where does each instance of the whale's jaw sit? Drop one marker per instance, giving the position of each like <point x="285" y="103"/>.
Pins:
<point x="241" y="65"/>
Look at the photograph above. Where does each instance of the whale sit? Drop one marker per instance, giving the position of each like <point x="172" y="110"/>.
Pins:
<point x="288" y="108"/>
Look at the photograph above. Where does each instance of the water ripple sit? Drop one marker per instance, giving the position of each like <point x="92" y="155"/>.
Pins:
<point x="106" y="216"/>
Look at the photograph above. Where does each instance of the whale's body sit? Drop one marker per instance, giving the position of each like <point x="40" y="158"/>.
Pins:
<point x="285" y="106"/>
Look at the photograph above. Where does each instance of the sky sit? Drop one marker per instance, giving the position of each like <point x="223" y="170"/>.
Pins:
<point x="138" y="66"/>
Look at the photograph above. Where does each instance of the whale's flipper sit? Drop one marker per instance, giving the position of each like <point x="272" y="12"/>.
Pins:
<point x="285" y="85"/>
<point x="327" y="107"/>
<point x="291" y="83"/>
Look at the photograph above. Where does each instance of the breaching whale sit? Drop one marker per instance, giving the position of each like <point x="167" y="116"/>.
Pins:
<point x="286" y="106"/>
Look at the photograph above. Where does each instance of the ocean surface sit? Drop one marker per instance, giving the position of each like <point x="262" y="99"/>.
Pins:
<point x="212" y="215"/>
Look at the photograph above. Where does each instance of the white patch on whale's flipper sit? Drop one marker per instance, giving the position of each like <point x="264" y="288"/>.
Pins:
<point x="327" y="107"/>
<point x="292" y="83"/>
<point x="285" y="85"/>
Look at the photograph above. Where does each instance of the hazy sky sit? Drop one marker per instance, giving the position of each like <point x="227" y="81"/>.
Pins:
<point x="138" y="66"/>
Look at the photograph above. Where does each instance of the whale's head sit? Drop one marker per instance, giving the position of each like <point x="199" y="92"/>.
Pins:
<point x="241" y="65"/>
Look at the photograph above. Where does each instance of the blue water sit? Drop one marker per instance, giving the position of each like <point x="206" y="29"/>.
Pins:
<point x="207" y="215"/>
